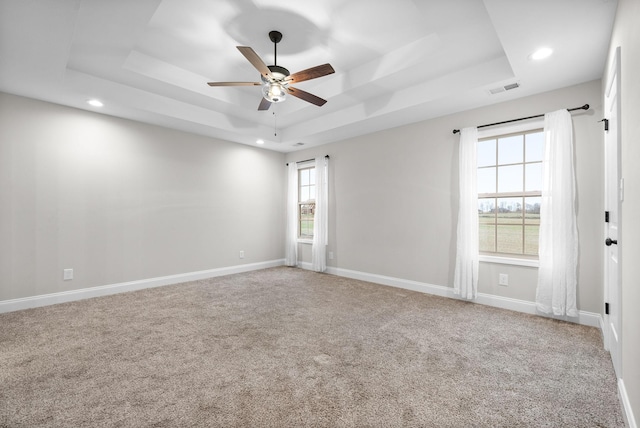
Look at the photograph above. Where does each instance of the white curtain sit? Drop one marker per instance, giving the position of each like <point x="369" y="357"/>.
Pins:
<point x="465" y="280"/>
<point x="558" y="244"/>
<point x="321" y="216"/>
<point x="291" y="235"/>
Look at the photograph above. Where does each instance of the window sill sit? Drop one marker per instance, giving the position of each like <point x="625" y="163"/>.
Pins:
<point x="509" y="261"/>
<point x="305" y="241"/>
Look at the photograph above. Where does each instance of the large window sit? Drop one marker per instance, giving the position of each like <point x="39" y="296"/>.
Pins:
<point x="509" y="193"/>
<point x="306" y="201"/>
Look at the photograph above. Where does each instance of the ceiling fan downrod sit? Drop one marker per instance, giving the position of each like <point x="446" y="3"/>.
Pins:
<point x="275" y="37"/>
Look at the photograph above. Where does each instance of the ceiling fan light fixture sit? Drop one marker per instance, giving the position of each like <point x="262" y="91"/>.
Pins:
<point x="274" y="92"/>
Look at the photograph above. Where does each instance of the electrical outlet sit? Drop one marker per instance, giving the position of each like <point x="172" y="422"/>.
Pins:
<point x="503" y="279"/>
<point x="241" y="254"/>
<point x="330" y="255"/>
<point x="67" y="274"/>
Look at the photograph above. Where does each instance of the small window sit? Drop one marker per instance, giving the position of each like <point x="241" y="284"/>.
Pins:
<point x="510" y="193"/>
<point x="306" y="201"/>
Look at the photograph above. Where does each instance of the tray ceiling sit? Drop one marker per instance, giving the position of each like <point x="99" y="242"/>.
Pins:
<point x="396" y="62"/>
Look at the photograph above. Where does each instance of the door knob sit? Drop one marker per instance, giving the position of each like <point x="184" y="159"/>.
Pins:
<point x="610" y="241"/>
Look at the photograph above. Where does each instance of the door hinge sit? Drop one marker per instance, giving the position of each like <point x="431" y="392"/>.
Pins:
<point x="606" y="216"/>
<point x="606" y="124"/>
<point x="606" y="308"/>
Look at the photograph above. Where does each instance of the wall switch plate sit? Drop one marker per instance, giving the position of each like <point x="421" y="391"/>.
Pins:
<point x="503" y="279"/>
<point x="241" y="254"/>
<point x="67" y="274"/>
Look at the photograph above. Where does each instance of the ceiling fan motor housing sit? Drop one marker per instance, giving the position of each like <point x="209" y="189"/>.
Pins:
<point x="278" y="72"/>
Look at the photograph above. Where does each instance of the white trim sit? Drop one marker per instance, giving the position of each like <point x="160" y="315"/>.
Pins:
<point x="513" y="128"/>
<point x="584" y="318"/>
<point x="304" y="265"/>
<point x="592" y="319"/>
<point x="509" y="260"/>
<point x="105" y="290"/>
<point x="306" y="164"/>
<point x="605" y="336"/>
<point x="421" y="287"/>
<point x="626" y="405"/>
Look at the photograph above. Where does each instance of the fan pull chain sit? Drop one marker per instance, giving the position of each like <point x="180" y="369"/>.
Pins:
<point x="275" y="125"/>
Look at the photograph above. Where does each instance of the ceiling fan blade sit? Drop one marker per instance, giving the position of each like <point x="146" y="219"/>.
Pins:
<point x="306" y="96"/>
<point x="264" y="104"/>
<point x="233" y="84"/>
<point x="311" y="73"/>
<point x="255" y="60"/>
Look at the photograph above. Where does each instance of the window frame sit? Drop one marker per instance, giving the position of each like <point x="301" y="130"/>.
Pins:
<point x="494" y="132"/>
<point x="301" y="167"/>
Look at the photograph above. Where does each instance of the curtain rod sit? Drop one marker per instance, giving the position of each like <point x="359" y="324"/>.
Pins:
<point x="307" y="160"/>
<point x="584" y="107"/>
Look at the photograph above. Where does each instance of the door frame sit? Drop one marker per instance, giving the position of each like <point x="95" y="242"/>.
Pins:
<point x="613" y="77"/>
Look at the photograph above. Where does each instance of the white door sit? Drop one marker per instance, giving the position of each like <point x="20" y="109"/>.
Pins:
<point x="614" y="192"/>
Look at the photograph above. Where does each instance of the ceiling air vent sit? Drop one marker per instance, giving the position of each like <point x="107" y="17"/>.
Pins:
<point x="504" y="88"/>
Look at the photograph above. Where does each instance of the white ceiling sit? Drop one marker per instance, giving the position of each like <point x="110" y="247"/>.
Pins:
<point x="396" y="62"/>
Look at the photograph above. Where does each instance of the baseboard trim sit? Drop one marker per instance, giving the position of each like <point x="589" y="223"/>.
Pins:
<point x="626" y="405"/>
<point x="406" y="284"/>
<point x="585" y="318"/>
<point x="304" y="265"/>
<point x="105" y="290"/>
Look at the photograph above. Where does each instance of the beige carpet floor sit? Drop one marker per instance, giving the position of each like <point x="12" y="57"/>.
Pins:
<point x="285" y="347"/>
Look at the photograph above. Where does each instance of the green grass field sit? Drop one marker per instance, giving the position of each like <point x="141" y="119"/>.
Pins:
<point x="511" y="235"/>
<point x="306" y="225"/>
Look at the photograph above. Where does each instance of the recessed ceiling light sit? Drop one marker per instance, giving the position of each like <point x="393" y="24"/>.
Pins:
<point x="541" y="53"/>
<point x="260" y="142"/>
<point x="95" y="103"/>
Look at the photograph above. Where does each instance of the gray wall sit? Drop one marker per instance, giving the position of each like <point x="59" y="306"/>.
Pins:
<point x="118" y="200"/>
<point x="394" y="193"/>
<point x="626" y="34"/>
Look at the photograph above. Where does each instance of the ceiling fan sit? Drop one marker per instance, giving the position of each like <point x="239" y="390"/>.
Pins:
<point x="276" y="80"/>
